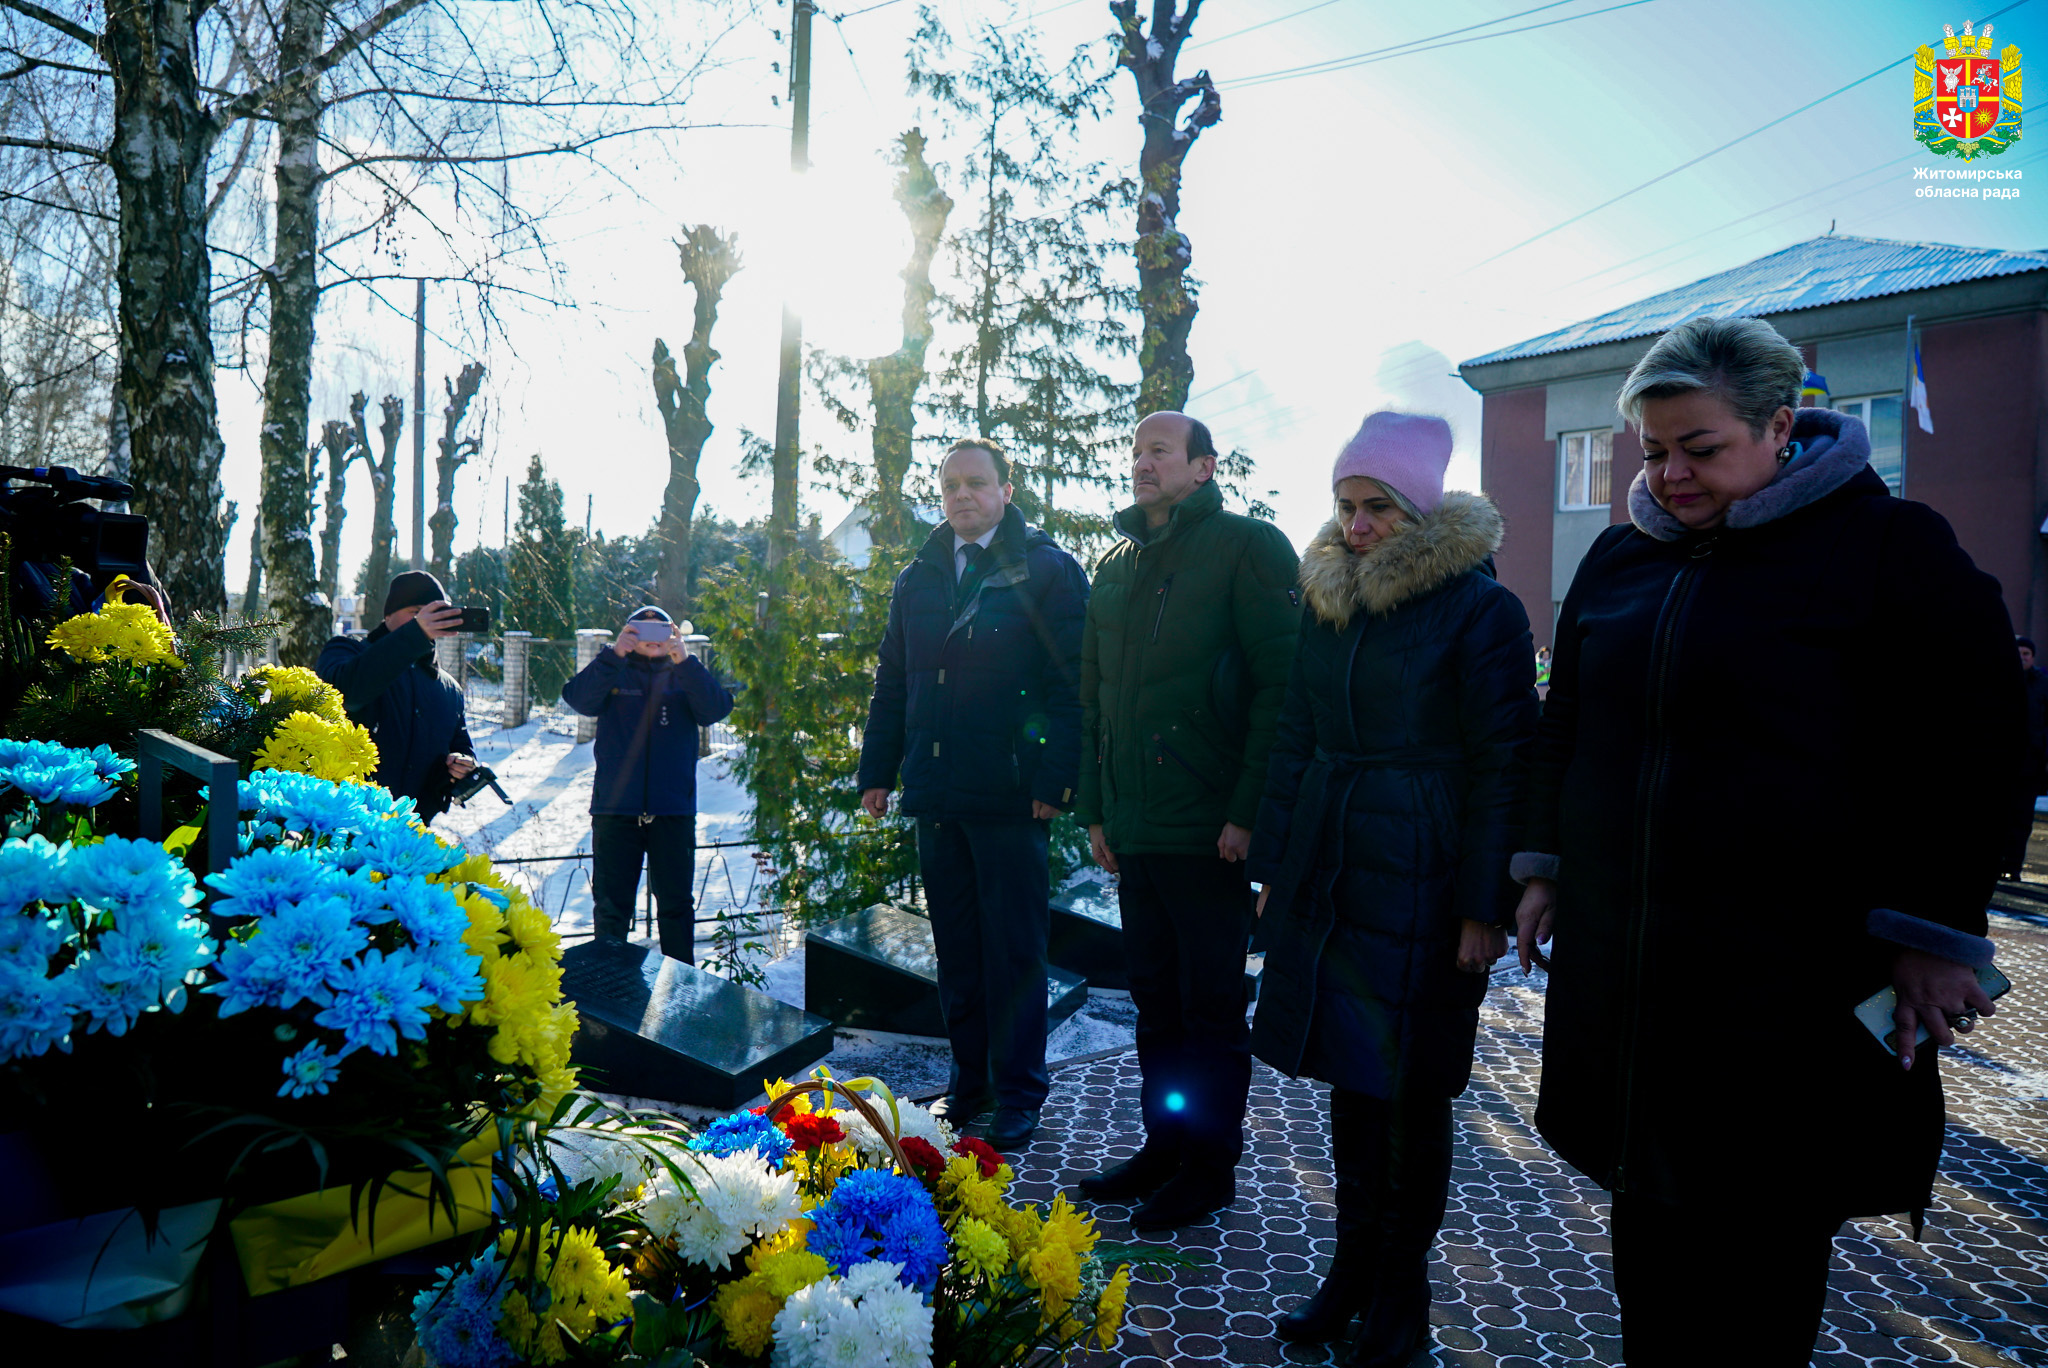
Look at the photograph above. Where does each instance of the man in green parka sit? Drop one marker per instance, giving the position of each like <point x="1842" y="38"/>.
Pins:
<point x="1190" y="635"/>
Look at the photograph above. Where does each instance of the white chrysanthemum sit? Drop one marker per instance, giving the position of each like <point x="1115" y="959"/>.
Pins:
<point x="915" y="1122"/>
<point x="582" y="1157"/>
<point x="868" y="1319"/>
<point x="737" y="1201"/>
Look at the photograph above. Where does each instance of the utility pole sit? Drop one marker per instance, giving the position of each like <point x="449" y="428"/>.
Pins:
<point x="589" y="503"/>
<point x="419" y="424"/>
<point x="506" y="540"/>
<point x="788" y="392"/>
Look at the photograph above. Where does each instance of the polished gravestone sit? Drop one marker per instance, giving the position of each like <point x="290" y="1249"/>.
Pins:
<point x="1087" y="936"/>
<point x="651" y="1026"/>
<point x="877" y="970"/>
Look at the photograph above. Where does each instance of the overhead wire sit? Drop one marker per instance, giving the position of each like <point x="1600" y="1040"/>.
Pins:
<point x="1711" y="152"/>
<point x="1419" y="45"/>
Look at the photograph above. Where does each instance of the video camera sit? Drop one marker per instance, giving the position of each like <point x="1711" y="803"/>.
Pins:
<point x="47" y="521"/>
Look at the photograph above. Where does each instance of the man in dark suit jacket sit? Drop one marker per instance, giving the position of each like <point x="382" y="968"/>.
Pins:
<point x="976" y="706"/>
<point x="390" y="684"/>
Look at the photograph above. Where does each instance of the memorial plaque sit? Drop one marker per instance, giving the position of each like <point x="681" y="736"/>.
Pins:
<point x="877" y="970"/>
<point x="652" y="1026"/>
<point x="1088" y="936"/>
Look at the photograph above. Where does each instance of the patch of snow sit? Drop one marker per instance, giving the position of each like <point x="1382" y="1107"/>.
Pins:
<point x="1153" y="50"/>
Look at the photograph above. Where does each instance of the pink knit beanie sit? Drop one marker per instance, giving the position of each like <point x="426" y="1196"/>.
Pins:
<point x="1405" y="451"/>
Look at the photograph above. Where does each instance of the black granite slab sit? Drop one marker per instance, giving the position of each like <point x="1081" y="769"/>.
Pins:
<point x="652" y="1026"/>
<point x="877" y="970"/>
<point x="1087" y="936"/>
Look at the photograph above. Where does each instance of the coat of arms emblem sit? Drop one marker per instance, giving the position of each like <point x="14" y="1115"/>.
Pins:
<point x="1966" y="103"/>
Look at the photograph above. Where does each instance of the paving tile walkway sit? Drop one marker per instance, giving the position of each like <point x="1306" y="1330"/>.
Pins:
<point x="1521" y="1275"/>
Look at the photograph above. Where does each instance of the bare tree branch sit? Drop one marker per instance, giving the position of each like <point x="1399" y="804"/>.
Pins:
<point x="524" y="154"/>
<point x="53" y="144"/>
<point x="254" y="99"/>
<point x="55" y="21"/>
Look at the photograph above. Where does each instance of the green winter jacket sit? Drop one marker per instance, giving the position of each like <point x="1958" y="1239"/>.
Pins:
<point x="1191" y="631"/>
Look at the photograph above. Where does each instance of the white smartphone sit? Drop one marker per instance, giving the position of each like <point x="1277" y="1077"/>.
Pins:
<point x="652" y="629"/>
<point x="1875" y="1011"/>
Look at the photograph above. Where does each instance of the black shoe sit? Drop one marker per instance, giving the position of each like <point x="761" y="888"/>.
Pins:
<point x="1191" y="1195"/>
<point x="962" y="1112"/>
<point x="1011" y="1128"/>
<point x="1395" y="1331"/>
<point x="1346" y="1291"/>
<point x="1139" y="1176"/>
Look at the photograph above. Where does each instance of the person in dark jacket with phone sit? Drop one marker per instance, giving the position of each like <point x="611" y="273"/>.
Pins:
<point x="1392" y="808"/>
<point x="649" y="696"/>
<point x="1191" y="628"/>
<point x="1719" y="908"/>
<point x="412" y="708"/>
<point x="975" y="710"/>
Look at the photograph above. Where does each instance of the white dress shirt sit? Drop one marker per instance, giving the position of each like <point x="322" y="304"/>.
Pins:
<point x="960" y="550"/>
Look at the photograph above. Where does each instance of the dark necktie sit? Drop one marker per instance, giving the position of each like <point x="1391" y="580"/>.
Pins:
<point x="971" y="553"/>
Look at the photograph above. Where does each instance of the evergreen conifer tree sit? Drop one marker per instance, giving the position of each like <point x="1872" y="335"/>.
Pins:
<point x="540" y="566"/>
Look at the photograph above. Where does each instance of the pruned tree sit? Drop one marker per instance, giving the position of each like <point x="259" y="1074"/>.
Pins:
<point x="1166" y="296"/>
<point x="451" y="451"/>
<point x="709" y="259"/>
<point x="376" y="576"/>
<point x="339" y="441"/>
<point x="894" y="380"/>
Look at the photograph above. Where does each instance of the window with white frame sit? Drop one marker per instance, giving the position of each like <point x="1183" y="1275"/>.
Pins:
<point x="1882" y="416"/>
<point x="1584" y="460"/>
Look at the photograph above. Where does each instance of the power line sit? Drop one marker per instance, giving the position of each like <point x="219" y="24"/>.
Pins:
<point x="1409" y="49"/>
<point x="852" y="14"/>
<point x="1239" y="33"/>
<point x="1714" y="152"/>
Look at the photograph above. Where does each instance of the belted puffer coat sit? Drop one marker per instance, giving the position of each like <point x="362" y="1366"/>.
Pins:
<point x="1391" y="804"/>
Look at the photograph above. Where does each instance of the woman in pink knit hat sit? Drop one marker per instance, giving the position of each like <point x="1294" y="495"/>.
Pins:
<point x="1383" y="845"/>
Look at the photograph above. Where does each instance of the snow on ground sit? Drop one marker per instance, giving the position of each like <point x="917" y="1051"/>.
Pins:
<point x="536" y="841"/>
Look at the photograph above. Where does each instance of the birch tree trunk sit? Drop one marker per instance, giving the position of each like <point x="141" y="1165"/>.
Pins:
<point x="451" y="453"/>
<point x="162" y="137"/>
<point x="1165" y="298"/>
<point x="384" y="490"/>
<point x="709" y="259"/>
<point x="252" y="593"/>
<point x="305" y="616"/>
<point x="893" y="380"/>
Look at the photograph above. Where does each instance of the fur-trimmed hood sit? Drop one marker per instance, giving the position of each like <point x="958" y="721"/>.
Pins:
<point x="1458" y="535"/>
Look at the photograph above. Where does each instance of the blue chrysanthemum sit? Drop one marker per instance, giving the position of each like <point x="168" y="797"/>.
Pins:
<point x="70" y="780"/>
<point x="840" y="1239"/>
<point x="914" y="1238"/>
<point x="118" y="872"/>
<point x="457" y="1318"/>
<point x="451" y="975"/>
<point x="743" y="1131"/>
<point x="310" y="1071"/>
<point x="29" y="938"/>
<point x="294" y="956"/>
<point x="871" y="1213"/>
<point x="33" y="871"/>
<point x="263" y="881"/>
<point x="157" y="949"/>
<point x="377" y="1000"/>
<point x="35" y="1012"/>
<point x="394" y="847"/>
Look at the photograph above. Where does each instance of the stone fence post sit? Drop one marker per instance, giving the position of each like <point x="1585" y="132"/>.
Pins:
<point x="589" y="641"/>
<point x="518" y="650"/>
<point x="451" y="655"/>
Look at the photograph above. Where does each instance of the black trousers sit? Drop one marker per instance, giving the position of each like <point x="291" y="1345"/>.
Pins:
<point x="988" y="890"/>
<point x="669" y="846"/>
<point x="1668" y="1259"/>
<point x="1392" y="1164"/>
<point x="1187" y="922"/>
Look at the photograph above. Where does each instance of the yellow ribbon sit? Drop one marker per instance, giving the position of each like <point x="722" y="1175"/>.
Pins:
<point x="304" y="1239"/>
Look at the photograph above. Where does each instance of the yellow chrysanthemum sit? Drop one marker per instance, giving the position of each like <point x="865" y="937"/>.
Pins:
<point x="130" y="632"/>
<point x="306" y="743"/>
<point x="300" y="687"/>
<point x="748" y="1307"/>
<point x="977" y="1245"/>
<point x="1020" y="1226"/>
<point x="1066" y="1226"/>
<point x="1055" y="1270"/>
<point x="1109" y="1308"/>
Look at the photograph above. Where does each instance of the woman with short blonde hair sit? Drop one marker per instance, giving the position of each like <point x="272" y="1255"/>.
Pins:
<point x="1737" y="838"/>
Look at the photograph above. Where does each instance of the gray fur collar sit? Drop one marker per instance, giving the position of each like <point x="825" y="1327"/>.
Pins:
<point x="1833" y="447"/>
<point x="1415" y="558"/>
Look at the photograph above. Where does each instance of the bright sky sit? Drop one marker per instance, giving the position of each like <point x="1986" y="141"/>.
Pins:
<point x="1338" y="221"/>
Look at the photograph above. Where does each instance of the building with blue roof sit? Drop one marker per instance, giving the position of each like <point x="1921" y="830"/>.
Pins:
<point x="1558" y="461"/>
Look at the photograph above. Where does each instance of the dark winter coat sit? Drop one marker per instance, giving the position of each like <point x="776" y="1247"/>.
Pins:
<point x="648" y="712"/>
<point x="1727" y="803"/>
<point x="2037" y="729"/>
<point x="1392" y="804"/>
<point x="413" y="710"/>
<point x="975" y="701"/>
<point x="1190" y="632"/>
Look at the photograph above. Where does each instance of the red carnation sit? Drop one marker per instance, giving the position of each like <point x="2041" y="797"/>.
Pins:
<point x="811" y="1131"/>
<point x="979" y="1150"/>
<point x="926" y="1162"/>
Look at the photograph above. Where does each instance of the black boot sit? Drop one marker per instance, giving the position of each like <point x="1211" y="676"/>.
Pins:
<point x="1347" y="1286"/>
<point x="1395" y="1328"/>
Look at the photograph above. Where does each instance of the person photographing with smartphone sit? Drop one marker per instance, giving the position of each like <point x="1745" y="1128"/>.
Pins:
<point x="649" y="696"/>
<point x="412" y="708"/>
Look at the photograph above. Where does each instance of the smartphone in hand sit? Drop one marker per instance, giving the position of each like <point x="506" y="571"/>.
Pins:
<point x="652" y="629"/>
<point x="1875" y="1011"/>
<point x="476" y="621"/>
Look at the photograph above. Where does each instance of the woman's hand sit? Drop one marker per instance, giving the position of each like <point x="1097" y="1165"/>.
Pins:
<point x="1265" y="892"/>
<point x="1534" y="919"/>
<point x="1479" y="945"/>
<point x="1931" y="990"/>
